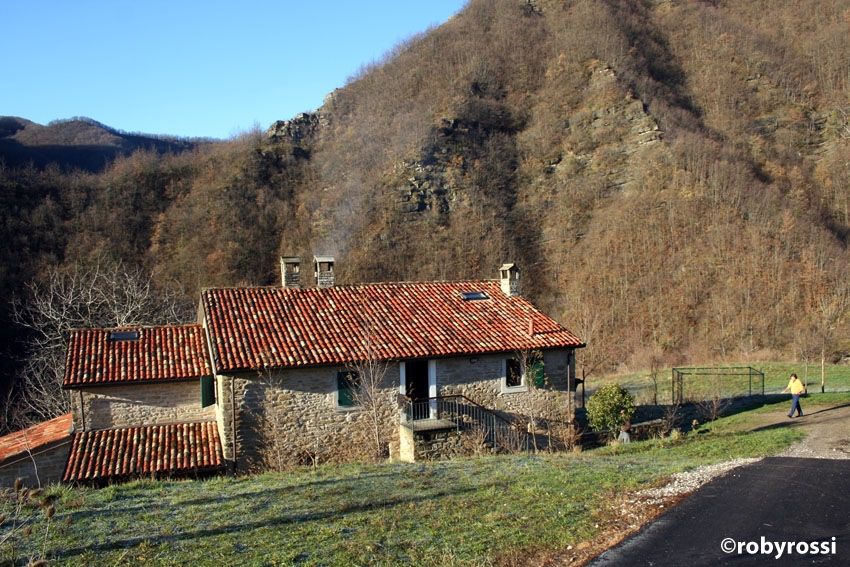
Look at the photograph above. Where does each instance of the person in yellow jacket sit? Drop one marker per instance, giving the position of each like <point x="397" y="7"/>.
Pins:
<point x="797" y="389"/>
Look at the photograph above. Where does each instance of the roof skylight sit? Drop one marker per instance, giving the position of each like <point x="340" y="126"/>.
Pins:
<point x="123" y="335"/>
<point x="473" y="295"/>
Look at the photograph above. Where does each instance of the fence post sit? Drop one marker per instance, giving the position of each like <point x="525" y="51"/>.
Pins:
<point x="673" y="386"/>
<point x="750" y="375"/>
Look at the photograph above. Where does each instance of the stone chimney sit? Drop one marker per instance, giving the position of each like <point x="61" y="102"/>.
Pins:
<point x="290" y="272"/>
<point x="324" y="271"/>
<point x="509" y="276"/>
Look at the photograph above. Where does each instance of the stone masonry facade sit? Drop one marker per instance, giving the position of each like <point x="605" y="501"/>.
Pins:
<point x="481" y="379"/>
<point x="139" y="404"/>
<point x="292" y="417"/>
<point x="289" y="417"/>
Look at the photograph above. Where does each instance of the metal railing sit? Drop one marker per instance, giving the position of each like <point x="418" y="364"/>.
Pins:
<point x="462" y="414"/>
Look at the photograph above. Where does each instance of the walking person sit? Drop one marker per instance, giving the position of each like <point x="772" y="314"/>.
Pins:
<point x="797" y="389"/>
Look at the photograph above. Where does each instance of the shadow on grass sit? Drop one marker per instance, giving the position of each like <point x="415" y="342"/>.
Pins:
<point x="283" y="520"/>
<point x="120" y="507"/>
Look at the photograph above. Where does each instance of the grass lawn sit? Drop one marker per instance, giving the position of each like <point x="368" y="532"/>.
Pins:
<point x="640" y="384"/>
<point x="463" y="512"/>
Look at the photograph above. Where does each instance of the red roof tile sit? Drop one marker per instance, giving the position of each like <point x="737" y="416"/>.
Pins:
<point x="275" y="327"/>
<point x="34" y="437"/>
<point x="169" y="352"/>
<point x="150" y="449"/>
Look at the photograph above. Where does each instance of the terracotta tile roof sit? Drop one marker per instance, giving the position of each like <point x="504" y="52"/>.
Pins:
<point x="168" y="352"/>
<point x="149" y="449"/>
<point x="275" y="327"/>
<point x="32" y="438"/>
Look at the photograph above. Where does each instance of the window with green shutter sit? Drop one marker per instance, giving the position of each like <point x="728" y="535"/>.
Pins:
<point x="207" y="391"/>
<point x="346" y="386"/>
<point x="534" y="372"/>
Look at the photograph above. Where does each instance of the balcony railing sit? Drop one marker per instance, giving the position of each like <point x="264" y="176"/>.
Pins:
<point x="462" y="414"/>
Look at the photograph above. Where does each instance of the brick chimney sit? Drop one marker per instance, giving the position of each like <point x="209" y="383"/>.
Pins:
<point x="324" y="271"/>
<point x="509" y="276"/>
<point x="290" y="272"/>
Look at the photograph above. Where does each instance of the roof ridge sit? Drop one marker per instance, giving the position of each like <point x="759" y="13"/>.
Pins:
<point x="350" y="286"/>
<point x="134" y="327"/>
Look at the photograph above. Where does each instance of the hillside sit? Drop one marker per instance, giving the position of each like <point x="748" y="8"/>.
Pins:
<point x="672" y="176"/>
<point x="78" y="143"/>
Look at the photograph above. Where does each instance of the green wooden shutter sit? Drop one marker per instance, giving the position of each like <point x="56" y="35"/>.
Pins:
<point x="538" y="374"/>
<point x="207" y="391"/>
<point x="345" y="384"/>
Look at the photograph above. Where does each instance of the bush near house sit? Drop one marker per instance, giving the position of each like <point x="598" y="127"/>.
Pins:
<point x="609" y="408"/>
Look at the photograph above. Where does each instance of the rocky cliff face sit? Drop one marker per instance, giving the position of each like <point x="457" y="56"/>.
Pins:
<point x="300" y="130"/>
<point x="625" y="152"/>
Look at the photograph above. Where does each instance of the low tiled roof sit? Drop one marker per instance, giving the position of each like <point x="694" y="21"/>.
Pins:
<point x="274" y="327"/>
<point x="35" y="437"/>
<point x="168" y="352"/>
<point x="150" y="449"/>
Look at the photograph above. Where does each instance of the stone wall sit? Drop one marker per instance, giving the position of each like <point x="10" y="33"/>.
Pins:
<point x="291" y="417"/>
<point x="439" y="445"/>
<point x="481" y="379"/>
<point x="140" y="404"/>
<point x="48" y="468"/>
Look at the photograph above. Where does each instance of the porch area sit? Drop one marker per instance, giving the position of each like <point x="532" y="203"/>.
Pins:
<point x="443" y="427"/>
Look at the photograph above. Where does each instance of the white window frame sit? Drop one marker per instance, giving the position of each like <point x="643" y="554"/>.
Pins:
<point x="432" y="387"/>
<point x="505" y="389"/>
<point x="432" y="383"/>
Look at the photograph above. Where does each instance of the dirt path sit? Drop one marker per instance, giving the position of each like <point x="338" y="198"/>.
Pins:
<point x="827" y="430"/>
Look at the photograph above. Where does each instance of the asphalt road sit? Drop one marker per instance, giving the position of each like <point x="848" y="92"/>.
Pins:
<point x="780" y="499"/>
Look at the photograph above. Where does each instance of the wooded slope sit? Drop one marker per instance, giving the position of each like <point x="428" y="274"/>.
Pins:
<point x="673" y="177"/>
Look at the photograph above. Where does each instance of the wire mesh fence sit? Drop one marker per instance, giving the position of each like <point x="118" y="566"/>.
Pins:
<point x="698" y="384"/>
<point x="692" y="384"/>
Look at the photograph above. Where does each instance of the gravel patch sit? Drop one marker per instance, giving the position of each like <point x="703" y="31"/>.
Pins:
<point x="685" y="482"/>
<point x="835" y="450"/>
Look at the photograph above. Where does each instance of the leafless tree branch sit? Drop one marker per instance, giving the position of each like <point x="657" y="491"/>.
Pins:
<point x="103" y="295"/>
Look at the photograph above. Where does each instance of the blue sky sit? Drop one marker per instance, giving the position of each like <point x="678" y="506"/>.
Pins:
<point x="210" y="68"/>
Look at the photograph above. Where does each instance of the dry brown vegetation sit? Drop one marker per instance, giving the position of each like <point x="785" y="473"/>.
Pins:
<point x="673" y="177"/>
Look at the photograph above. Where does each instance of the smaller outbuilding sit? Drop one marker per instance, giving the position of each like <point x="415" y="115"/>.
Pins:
<point x="37" y="454"/>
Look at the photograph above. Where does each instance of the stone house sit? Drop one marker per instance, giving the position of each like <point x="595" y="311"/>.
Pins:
<point x="450" y="356"/>
<point x="273" y="376"/>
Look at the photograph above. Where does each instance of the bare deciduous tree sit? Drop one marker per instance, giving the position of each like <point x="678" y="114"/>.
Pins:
<point x="371" y="392"/>
<point x="712" y="401"/>
<point x="102" y="295"/>
<point x="830" y="308"/>
<point x="535" y="404"/>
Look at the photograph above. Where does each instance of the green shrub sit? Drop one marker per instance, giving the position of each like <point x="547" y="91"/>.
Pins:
<point x="609" y="407"/>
